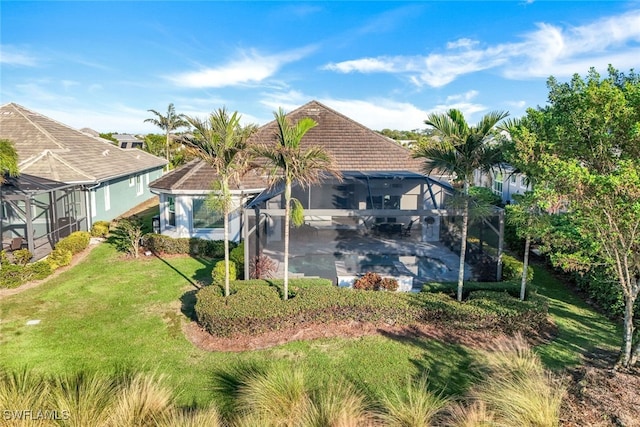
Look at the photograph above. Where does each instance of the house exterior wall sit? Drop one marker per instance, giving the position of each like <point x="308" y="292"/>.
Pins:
<point x="176" y="219"/>
<point x="503" y="183"/>
<point x="113" y="198"/>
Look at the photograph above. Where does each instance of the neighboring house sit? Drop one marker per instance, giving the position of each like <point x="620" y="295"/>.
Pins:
<point x="503" y="181"/>
<point x="68" y="179"/>
<point x="382" y="186"/>
<point x="128" y="141"/>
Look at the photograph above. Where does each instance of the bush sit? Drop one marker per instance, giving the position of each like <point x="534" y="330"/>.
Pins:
<point x="256" y="307"/>
<point x="100" y="229"/>
<point x="262" y="267"/>
<point x="40" y="270"/>
<point x="512" y="269"/>
<point x="374" y="282"/>
<point x="22" y="256"/>
<point x="75" y="242"/>
<point x="12" y="276"/>
<point x="237" y="255"/>
<point x="217" y="274"/>
<point x="59" y="257"/>
<point x="161" y="244"/>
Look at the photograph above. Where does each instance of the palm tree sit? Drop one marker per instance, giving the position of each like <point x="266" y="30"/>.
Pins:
<point x="460" y="149"/>
<point x="221" y="142"/>
<point x="168" y="123"/>
<point x="8" y="160"/>
<point x="287" y="162"/>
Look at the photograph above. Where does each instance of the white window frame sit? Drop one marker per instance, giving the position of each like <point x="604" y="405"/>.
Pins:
<point x="139" y="185"/>
<point x="132" y="181"/>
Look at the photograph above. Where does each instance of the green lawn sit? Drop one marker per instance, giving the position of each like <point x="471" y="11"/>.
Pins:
<point x="109" y="312"/>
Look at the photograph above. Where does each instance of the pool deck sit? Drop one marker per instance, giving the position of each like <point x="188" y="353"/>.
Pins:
<point x="402" y="253"/>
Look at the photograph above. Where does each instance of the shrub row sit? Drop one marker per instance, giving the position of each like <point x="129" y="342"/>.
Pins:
<point x="450" y="288"/>
<point x="256" y="307"/>
<point x="14" y="275"/>
<point x="162" y="244"/>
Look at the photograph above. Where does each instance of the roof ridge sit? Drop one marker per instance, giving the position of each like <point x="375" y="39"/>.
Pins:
<point x="198" y="163"/>
<point x="19" y="109"/>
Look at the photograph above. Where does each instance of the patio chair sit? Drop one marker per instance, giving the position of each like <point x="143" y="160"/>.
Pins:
<point x="406" y="232"/>
<point x="16" y="244"/>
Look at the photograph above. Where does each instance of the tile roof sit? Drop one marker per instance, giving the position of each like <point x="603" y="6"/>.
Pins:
<point x="197" y="176"/>
<point x="353" y="146"/>
<point x="52" y="150"/>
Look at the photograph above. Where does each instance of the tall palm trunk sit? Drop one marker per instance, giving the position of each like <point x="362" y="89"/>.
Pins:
<point x="225" y="192"/>
<point x="463" y="243"/>
<point x="166" y="151"/>
<point x="287" y="214"/>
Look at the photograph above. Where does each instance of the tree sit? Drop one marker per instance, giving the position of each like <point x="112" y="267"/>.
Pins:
<point x="221" y="142"/>
<point x="591" y="134"/>
<point x="460" y="149"/>
<point x="8" y="160"/>
<point x="288" y="162"/>
<point x="168" y="123"/>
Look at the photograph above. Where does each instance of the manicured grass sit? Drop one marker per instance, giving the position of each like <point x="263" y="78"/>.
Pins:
<point x="110" y="312"/>
<point x="581" y="330"/>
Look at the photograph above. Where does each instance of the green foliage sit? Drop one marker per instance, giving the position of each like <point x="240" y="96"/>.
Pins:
<point x="100" y="229"/>
<point x="12" y="276"/>
<point x="108" y="136"/>
<point x="237" y="255"/>
<point x="59" y="257"/>
<point x="512" y="269"/>
<point x="255" y="307"/>
<point x="485" y="195"/>
<point x="297" y="213"/>
<point x="4" y="259"/>
<point x="8" y="160"/>
<point x="75" y="242"/>
<point x="127" y="235"/>
<point x="40" y="270"/>
<point x="218" y="272"/>
<point x="411" y="405"/>
<point x="22" y="256"/>
<point x="161" y="244"/>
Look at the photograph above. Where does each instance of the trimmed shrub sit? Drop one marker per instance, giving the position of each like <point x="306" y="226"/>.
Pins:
<point x="237" y="255"/>
<point x="40" y="270"/>
<point x="256" y="306"/>
<point x="75" y="242"/>
<point x="12" y="276"/>
<point x="100" y="229"/>
<point x="161" y="244"/>
<point x="217" y="274"/>
<point x="512" y="269"/>
<point x="374" y="282"/>
<point x="262" y="267"/>
<point x="59" y="257"/>
<point x="22" y="256"/>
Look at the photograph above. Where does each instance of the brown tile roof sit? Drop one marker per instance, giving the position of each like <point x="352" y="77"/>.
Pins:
<point x="354" y="147"/>
<point x="52" y="150"/>
<point x="197" y="175"/>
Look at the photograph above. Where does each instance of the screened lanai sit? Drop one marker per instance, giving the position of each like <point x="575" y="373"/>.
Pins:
<point x="37" y="213"/>
<point x="398" y="224"/>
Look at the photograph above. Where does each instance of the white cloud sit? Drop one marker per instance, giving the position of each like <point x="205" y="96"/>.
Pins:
<point x="380" y="113"/>
<point x="251" y="67"/>
<point x="364" y="65"/>
<point x="12" y="55"/>
<point x="550" y="49"/>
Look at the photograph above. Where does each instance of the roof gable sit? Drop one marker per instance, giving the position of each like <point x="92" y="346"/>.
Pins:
<point x="52" y="150"/>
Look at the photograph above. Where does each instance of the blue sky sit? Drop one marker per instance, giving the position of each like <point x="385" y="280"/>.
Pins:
<point x="385" y="64"/>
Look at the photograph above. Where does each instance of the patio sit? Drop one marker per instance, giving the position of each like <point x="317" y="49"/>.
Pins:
<point x="341" y="255"/>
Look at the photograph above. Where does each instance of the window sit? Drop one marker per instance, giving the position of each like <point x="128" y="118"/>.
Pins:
<point x="171" y="209"/>
<point x="139" y="184"/>
<point x="523" y="182"/>
<point x="496" y="187"/>
<point x="513" y="179"/>
<point x="384" y="202"/>
<point x="107" y="197"/>
<point x="205" y="217"/>
<point x="132" y="181"/>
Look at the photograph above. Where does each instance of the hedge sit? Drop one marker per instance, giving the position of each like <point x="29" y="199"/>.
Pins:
<point x="451" y="288"/>
<point x="12" y="275"/>
<point x="75" y="242"/>
<point x="256" y="306"/>
<point x="161" y="244"/>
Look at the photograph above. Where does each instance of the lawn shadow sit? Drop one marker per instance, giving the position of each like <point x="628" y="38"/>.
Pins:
<point x="446" y="365"/>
